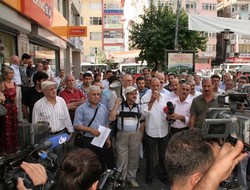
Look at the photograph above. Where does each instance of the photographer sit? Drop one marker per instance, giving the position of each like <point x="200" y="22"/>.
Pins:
<point x="80" y="170"/>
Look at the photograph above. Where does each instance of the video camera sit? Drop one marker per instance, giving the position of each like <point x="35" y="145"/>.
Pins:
<point x="111" y="180"/>
<point x="229" y="123"/>
<point x="38" y="150"/>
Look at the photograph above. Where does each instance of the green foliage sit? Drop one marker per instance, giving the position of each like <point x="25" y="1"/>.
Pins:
<point x="156" y="32"/>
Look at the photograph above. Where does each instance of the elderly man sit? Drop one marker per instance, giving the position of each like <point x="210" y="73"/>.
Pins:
<point x="128" y="138"/>
<point x="127" y="80"/>
<point x="226" y="77"/>
<point x="72" y="96"/>
<point x="53" y="109"/>
<point x="156" y="128"/>
<point x="175" y="87"/>
<point x="88" y="117"/>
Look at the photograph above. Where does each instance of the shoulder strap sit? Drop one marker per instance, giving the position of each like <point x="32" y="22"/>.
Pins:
<point x="93" y="117"/>
<point x="2" y="86"/>
<point x="122" y="115"/>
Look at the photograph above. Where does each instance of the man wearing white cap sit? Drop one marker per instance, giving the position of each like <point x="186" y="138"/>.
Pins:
<point x="128" y="138"/>
<point x="53" y="109"/>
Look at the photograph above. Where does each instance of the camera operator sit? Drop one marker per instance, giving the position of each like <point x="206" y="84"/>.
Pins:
<point x="80" y="170"/>
<point x="189" y="158"/>
<point x="181" y="113"/>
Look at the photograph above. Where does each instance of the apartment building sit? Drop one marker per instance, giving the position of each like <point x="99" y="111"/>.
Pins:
<point x="105" y="28"/>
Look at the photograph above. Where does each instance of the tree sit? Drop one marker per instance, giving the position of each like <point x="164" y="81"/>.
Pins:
<point x="156" y="32"/>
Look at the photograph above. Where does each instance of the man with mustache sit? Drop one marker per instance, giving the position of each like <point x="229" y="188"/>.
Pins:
<point x="181" y="113"/>
<point x="201" y="104"/>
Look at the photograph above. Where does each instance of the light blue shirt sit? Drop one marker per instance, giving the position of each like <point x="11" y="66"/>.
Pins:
<point x="84" y="113"/>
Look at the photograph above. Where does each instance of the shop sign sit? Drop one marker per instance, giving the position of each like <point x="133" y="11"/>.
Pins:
<point x="39" y="10"/>
<point x="80" y="31"/>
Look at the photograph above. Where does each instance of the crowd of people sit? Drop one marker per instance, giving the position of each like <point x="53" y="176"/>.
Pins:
<point x="135" y="111"/>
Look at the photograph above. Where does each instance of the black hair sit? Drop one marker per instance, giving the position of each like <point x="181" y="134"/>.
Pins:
<point x="38" y="76"/>
<point x="25" y="56"/>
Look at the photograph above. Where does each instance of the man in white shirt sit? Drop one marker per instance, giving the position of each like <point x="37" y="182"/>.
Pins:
<point x="175" y="86"/>
<point x="193" y="93"/>
<point x="156" y="128"/>
<point x="181" y="113"/>
<point x="53" y="109"/>
<point x="161" y="78"/>
<point x="14" y="64"/>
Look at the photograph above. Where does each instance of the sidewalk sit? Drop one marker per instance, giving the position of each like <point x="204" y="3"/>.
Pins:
<point x="156" y="185"/>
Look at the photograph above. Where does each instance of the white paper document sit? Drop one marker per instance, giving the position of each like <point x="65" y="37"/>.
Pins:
<point x="101" y="139"/>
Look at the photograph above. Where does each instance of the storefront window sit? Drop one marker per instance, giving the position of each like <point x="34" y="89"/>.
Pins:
<point x="39" y="53"/>
<point x="7" y="48"/>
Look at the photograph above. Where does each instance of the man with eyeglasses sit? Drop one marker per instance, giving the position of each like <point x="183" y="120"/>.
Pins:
<point x="128" y="138"/>
<point x="127" y="80"/>
<point x="53" y="109"/>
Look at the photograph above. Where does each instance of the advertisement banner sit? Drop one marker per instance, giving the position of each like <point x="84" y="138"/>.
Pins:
<point x="179" y="61"/>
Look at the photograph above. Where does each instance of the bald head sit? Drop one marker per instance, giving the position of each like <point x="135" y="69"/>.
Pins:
<point x="14" y="59"/>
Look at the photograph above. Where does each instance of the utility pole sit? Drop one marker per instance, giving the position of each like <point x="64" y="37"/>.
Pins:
<point x="176" y="39"/>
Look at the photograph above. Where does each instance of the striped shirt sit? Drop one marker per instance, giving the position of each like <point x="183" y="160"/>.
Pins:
<point x="57" y="115"/>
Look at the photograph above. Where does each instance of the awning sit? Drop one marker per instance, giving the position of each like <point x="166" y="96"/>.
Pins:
<point x="218" y="24"/>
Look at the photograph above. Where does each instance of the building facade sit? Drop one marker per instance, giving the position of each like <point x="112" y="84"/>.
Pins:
<point x="105" y="29"/>
<point x="40" y="28"/>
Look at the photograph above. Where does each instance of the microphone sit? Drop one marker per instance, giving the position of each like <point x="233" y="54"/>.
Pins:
<point x="170" y="108"/>
<point x="55" y="141"/>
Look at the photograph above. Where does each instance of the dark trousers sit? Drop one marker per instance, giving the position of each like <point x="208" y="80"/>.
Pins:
<point x="152" y="145"/>
<point x="85" y="142"/>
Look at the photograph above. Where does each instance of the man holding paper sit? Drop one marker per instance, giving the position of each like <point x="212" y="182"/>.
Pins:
<point x="88" y="117"/>
<point x="128" y="138"/>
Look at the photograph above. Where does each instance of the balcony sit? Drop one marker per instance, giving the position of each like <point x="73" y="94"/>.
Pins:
<point x="113" y="11"/>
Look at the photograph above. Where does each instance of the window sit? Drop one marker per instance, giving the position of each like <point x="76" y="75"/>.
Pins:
<point x="111" y="6"/>
<point x="113" y="34"/>
<point x="95" y="36"/>
<point x="82" y="21"/>
<point x="95" y="6"/>
<point x="211" y="47"/>
<point x="112" y="19"/>
<point x="208" y="6"/>
<point x="95" y="20"/>
<point x="209" y="35"/>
